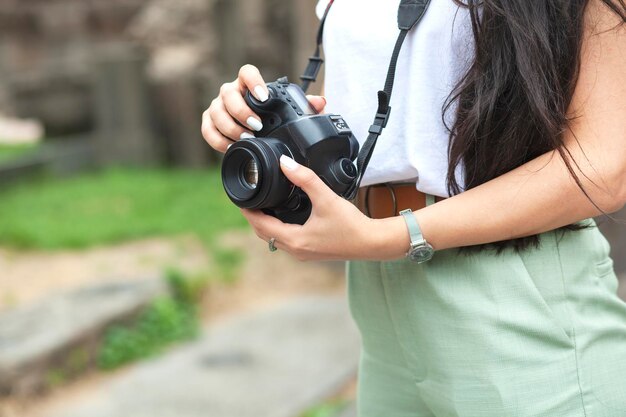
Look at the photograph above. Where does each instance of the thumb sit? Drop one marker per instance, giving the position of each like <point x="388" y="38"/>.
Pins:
<point x="318" y="102"/>
<point x="304" y="178"/>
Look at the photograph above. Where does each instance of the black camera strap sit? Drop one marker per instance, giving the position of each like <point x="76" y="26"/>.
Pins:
<point x="315" y="61"/>
<point x="410" y="13"/>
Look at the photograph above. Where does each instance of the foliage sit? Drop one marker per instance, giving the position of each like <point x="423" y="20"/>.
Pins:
<point x="184" y="289"/>
<point x="228" y="262"/>
<point x="76" y="362"/>
<point x="165" y="321"/>
<point x="328" y="409"/>
<point x="115" y="205"/>
<point x="123" y="204"/>
<point x="9" y="152"/>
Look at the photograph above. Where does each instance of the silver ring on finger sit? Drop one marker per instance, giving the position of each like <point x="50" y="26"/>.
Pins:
<point x="271" y="245"/>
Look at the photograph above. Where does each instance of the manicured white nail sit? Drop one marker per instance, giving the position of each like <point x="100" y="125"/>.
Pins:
<point x="246" y="135"/>
<point x="261" y="93"/>
<point x="288" y="163"/>
<point x="254" y="124"/>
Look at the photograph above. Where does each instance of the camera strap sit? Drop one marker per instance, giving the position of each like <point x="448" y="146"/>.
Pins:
<point x="410" y="12"/>
<point x="315" y="61"/>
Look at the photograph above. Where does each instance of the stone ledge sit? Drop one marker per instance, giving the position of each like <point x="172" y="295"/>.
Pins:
<point x="36" y="339"/>
<point x="273" y="363"/>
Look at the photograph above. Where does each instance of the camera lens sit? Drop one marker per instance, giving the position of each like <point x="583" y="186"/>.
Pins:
<point x="251" y="174"/>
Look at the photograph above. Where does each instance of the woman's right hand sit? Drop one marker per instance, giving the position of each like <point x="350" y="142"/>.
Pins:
<point x="229" y="118"/>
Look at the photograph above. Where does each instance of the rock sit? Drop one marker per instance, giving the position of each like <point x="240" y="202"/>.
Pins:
<point x="36" y="339"/>
<point x="15" y="131"/>
<point x="276" y="363"/>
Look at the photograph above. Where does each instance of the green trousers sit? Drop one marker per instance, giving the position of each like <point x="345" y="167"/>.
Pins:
<point x="540" y="334"/>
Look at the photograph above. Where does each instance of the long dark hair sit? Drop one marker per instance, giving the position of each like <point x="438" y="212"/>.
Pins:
<point x="511" y="104"/>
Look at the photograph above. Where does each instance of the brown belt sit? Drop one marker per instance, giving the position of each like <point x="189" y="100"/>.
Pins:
<point x="386" y="200"/>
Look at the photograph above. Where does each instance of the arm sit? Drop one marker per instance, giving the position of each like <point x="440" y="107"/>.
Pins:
<point x="541" y="195"/>
<point x="538" y="196"/>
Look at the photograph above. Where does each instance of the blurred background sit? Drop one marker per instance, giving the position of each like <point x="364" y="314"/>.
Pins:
<point x="129" y="285"/>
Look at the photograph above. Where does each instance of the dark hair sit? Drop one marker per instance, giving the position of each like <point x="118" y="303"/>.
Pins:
<point x="511" y="104"/>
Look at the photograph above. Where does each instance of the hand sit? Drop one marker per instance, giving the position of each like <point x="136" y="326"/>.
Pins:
<point x="336" y="230"/>
<point x="229" y="118"/>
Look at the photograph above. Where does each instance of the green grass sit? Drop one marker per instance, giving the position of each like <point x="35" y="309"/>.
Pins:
<point x="330" y="408"/>
<point x="167" y="320"/>
<point x="164" y="322"/>
<point x="8" y="152"/>
<point x="115" y="205"/>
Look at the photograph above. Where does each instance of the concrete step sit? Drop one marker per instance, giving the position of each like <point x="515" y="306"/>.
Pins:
<point x="37" y="339"/>
<point x="274" y="363"/>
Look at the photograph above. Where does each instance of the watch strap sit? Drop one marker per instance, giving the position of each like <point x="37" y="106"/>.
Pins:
<point x="415" y="232"/>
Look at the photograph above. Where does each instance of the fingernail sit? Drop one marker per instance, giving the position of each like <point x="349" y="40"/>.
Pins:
<point x="288" y="163"/>
<point x="310" y="96"/>
<point x="261" y="93"/>
<point x="254" y="124"/>
<point x="246" y="135"/>
<point x="228" y="147"/>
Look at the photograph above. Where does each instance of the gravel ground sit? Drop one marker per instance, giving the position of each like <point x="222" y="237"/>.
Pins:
<point x="28" y="276"/>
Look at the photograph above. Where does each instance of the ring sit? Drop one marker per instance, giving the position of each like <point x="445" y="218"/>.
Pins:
<point x="271" y="243"/>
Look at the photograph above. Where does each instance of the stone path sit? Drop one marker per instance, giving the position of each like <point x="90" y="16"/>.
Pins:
<point x="274" y="363"/>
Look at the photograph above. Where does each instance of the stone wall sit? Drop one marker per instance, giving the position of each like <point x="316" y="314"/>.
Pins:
<point x="49" y="50"/>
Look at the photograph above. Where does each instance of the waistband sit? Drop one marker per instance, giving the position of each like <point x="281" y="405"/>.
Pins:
<point x="379" y="201"/>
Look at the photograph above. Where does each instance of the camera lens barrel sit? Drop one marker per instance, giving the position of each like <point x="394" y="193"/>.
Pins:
<point x="251" y="173"/>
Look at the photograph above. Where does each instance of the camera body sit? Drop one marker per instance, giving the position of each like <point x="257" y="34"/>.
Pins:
<point x="251" y="172"/>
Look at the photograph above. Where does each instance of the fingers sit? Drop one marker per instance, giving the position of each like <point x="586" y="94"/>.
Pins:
<point x="225" y="123"/>
<point x="306" y="179"/>
<point x="213" y="136"/>
<point x="267" y="227"/>
<point x="318" y="102"/>
<point x="229" y="118"/>
<point x="250" y="79"/>
<point x="237" y="108"/>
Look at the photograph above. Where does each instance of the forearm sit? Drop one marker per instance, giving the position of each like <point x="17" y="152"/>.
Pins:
<point x="538" y="196"/>
<point x="541" y="195"/>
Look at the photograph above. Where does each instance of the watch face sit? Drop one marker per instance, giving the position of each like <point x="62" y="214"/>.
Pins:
<point x="421" y="253"/>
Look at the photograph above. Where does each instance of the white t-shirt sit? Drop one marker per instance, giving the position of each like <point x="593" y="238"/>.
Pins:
<point x="359" y="38"/>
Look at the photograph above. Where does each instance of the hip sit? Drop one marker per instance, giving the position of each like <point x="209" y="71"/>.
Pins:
<point x="499" y="322"/>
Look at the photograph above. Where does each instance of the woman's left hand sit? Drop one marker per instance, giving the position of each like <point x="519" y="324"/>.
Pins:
<point x="336" y="229"/>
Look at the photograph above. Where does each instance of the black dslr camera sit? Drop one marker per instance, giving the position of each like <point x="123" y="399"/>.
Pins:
<point x="251" y="172"/>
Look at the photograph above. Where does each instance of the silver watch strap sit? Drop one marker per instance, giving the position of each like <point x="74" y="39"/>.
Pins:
<point x="414" y="228"/>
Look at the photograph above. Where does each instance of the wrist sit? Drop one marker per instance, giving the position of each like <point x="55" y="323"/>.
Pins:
<point x="388" y="239"/>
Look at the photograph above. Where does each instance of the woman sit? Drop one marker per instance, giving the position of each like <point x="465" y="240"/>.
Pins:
<point x="515" y="111"/>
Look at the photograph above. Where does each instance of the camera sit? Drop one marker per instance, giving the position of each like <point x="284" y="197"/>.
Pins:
<point x="251" y="172"/>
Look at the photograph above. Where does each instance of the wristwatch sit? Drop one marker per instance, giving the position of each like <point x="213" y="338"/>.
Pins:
<point x="420" y="251"/>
